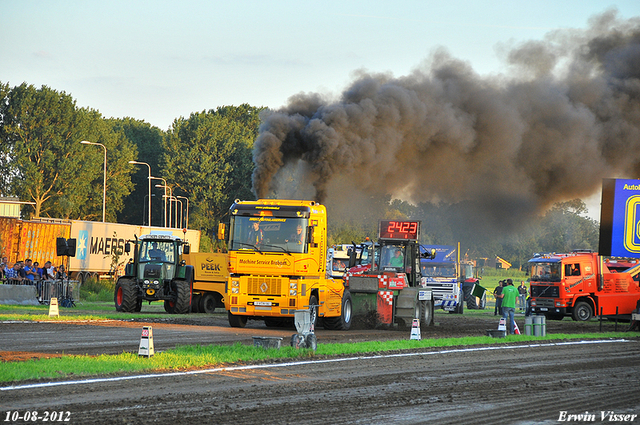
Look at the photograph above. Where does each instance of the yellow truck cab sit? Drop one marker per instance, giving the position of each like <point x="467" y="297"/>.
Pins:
<point x="278" y="264"/>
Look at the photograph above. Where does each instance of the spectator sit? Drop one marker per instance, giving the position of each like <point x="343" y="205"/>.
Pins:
<point x="29" y="271"/>
<point x="497" y="294"/>
<point x="38" y="270"/>
<point x="21" y="271"/>
<point x="13" y="274"/>
<point x="49" y="272"/>
<point x="60" y="274"/>
<point x="509" y="295"/>
<point x="522" y="296"/>
<point x="3" y="267"/>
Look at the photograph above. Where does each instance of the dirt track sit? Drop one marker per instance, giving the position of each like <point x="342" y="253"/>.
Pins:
<point x="518" y="384"/>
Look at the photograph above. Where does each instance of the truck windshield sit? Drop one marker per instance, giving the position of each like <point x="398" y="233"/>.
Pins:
<point x="157" y="251"/>
<point x="545" y="272"/>
<point x="268" y="234"/>
<point x="438" y="270"/>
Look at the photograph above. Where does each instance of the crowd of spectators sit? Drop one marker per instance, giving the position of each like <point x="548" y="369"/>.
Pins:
<point x="28" y="272"/>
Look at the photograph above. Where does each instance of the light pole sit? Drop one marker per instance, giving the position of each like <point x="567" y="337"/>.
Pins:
<point x="104" y="186"/>
<point x="184" y="197"/>
<point x="165" y="201"/>
<point x="144" y="163"/>
<point x="175" y="198"/>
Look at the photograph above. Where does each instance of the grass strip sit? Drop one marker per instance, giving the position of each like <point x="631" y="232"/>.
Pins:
<point x="187" y="356"/>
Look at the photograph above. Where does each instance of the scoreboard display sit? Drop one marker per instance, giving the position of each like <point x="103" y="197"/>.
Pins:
<point x="399" y="230"/>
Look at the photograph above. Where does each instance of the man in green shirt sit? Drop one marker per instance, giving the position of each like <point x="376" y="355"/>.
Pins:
<point x="509" y="296"/>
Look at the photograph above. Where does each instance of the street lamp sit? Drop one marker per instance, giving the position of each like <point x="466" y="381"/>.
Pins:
<point x="144" y="163"/>
<point x="175" y="198"/>
<point x="184" y="197"/>
<point x="165" y="201"/>
<point x="104" y="186"/>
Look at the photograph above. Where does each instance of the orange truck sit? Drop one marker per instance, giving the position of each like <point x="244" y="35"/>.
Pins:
<point x="582" y="284"/>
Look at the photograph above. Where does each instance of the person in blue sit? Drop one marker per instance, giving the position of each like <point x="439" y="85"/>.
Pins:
<point x="255" y="235"/>
<point x="30" y="271"/>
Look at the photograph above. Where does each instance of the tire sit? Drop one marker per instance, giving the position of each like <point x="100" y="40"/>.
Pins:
<point x="181" y="302"/>
<point x="342" y="322"/>
<point x="460" y="307"/>
<point x="126" y="296"/>
<point x="483" y="302"/>
<point x="311" y="341"/>
<point x="237" y="321"/>
<point x="195" y="303"/>
<point x="138" y="306"/>
<point x="582" y="311"/>
<point x="426" y="313"/>
<point x="472" y="301"/>
<point x="208" y="303"/>
<point x="313" y="300"/>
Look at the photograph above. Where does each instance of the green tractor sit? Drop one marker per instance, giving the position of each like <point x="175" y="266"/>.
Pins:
<point x="156" y="273"/>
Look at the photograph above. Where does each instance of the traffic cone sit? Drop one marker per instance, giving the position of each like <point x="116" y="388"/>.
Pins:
<point x="502" y="325"/>
<point x="53" y="308"/>
<point x="146" y="342"/>
<point x="415" y="330"/>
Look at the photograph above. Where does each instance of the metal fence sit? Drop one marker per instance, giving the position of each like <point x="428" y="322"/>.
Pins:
<point x="66" y="291"/>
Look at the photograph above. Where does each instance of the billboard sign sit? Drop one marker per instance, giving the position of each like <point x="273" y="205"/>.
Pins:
<point x="620" y="218"/>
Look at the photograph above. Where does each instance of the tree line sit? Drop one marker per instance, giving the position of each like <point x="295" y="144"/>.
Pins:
<point x="207" y="158"/>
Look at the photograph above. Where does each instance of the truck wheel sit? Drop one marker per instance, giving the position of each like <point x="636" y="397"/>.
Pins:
<point x="195" y="303"/>
<point x="426" y="313"/>
<point x="342" y="322"/>
<point x="126" y="296"/>
<point x="208" y="303"/>
<point x="182" y="301"/>
<point x="313" y="300"/>
<point x="237" y="321"/>
<point x="582" y="311"/>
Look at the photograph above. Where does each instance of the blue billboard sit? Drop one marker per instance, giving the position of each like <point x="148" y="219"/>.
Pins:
<point x="620" y="218"/>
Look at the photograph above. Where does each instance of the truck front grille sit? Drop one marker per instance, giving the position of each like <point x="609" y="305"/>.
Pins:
<point x="264" y="285"/>
<point x="545" y="291"/>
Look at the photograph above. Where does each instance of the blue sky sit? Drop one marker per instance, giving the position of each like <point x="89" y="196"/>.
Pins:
<point x="159" y="60"/>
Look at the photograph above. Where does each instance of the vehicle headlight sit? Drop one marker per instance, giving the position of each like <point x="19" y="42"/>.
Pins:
<point x="235" y="283"/>
<point x="293" y="292"/>
<point x="235" y="290"/>
<point x="293" y="284"/>
<point x="146" y="281"/>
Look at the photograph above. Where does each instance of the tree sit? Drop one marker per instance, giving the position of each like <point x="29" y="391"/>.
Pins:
<point x="207" y="158"/>
<point x="46" y="164"/>
<point x="148" y="140"/>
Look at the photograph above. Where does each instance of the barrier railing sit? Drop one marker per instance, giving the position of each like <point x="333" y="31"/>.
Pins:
<point x="66" y="291"/>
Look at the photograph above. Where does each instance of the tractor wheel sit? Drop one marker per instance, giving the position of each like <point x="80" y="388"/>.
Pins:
<point x="208" y="303"/>
<point x="460" y="307"/>
<point x="472" y="300"/>
<point x="582" y="311"/>
<point x="182" y="301"/>
<point x="126" y="296"/>
<point x="237" y="321"/>
<point x="342" y="322"/>
<point x="138" y="306"/>
<point x="483" y="302"/>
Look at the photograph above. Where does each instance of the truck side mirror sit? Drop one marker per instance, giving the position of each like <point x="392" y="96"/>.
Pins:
<point x="222" y="231"/>
<point x="127" y="247"/>
<point x="186" y="249"/>
<point x="310" y="230"/>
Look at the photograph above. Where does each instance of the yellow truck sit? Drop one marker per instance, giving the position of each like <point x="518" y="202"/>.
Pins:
<point x="278" y="264"/>
<point x="210" y="280"/>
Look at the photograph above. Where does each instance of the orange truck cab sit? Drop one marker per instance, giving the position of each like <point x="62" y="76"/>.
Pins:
<point x="583" y="284"/>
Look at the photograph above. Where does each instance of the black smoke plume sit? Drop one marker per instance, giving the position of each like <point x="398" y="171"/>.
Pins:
<point x="565" y="115"/>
